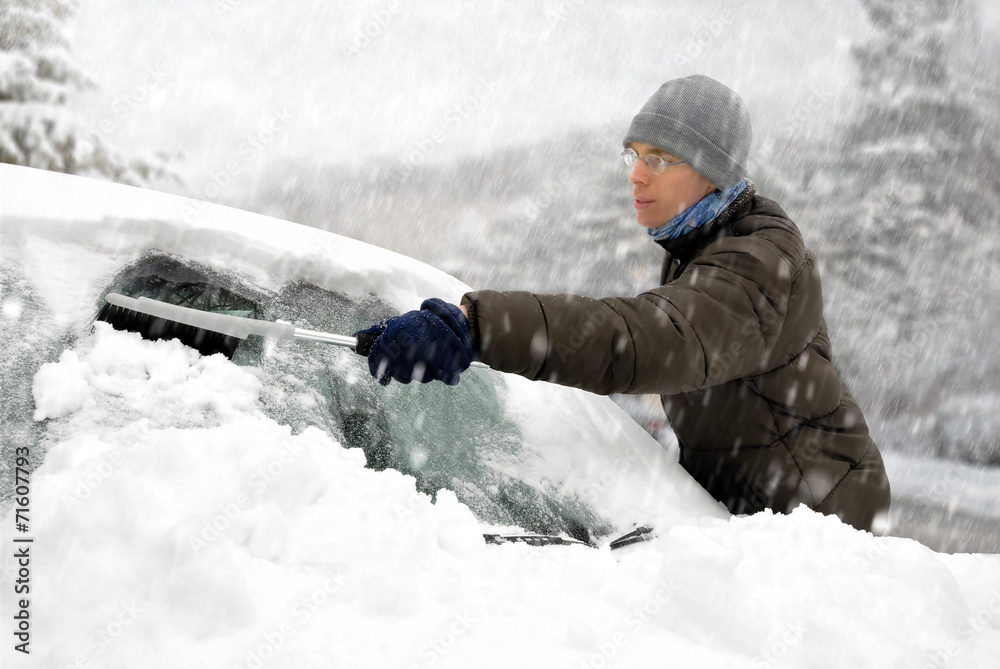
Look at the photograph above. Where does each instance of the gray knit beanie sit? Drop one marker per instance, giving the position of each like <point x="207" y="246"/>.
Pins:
<point x="700" y="121"/>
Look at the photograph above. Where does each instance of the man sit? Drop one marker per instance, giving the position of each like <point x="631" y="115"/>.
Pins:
<point x="734" y="339"/>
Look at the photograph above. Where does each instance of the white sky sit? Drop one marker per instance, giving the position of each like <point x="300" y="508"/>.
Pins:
<point x="207" y="77"/>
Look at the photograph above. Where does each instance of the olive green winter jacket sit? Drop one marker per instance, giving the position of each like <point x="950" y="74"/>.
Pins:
<point x="735" y="343"/>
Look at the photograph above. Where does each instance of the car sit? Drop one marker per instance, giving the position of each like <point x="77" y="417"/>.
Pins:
<point x="524" y="457"/>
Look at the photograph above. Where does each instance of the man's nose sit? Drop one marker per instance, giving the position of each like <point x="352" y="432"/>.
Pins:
<point x="639" y="173"/>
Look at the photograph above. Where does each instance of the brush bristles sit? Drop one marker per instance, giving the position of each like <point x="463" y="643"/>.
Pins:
<point x="204" y="341"/>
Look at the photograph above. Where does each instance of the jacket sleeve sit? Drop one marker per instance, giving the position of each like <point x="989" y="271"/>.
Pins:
<point x="716" y="322"/>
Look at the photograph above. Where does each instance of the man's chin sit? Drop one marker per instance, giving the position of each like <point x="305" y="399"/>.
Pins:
<point x="648" y="223"/>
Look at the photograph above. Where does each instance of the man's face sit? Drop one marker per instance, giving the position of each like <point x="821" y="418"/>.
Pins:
<point x="660" y="197"/>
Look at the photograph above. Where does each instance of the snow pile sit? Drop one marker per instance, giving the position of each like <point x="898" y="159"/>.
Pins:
<point x="173" y="503"/>
<point x="175" y="525"/>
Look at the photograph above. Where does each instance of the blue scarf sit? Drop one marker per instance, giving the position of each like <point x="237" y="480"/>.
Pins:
<point x="703" y="211"/>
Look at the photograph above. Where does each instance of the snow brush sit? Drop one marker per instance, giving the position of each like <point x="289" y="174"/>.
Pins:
<point x="208" y="332"/>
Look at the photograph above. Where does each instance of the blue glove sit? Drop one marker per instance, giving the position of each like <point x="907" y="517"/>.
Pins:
<point x="426" y="345"/>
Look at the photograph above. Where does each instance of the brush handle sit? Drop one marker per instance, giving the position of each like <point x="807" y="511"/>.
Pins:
<point x="234" y="326"/>
<point x="344" y="340"/>
<point x="326" y="338"/>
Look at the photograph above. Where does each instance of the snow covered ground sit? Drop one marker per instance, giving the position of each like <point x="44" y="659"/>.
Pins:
<point x="175" y="522"/>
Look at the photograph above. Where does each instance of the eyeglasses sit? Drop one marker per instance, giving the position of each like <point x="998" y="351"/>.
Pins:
<point x="654" y="163"/>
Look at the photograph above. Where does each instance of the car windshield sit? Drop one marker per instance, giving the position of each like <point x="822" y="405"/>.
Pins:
<point x="456" y="438"/>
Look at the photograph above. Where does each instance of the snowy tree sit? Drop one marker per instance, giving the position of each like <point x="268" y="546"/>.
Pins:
<point x="37" y="77"/>
<point x="913" y="235"/>
<point x="919" y="124"/>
